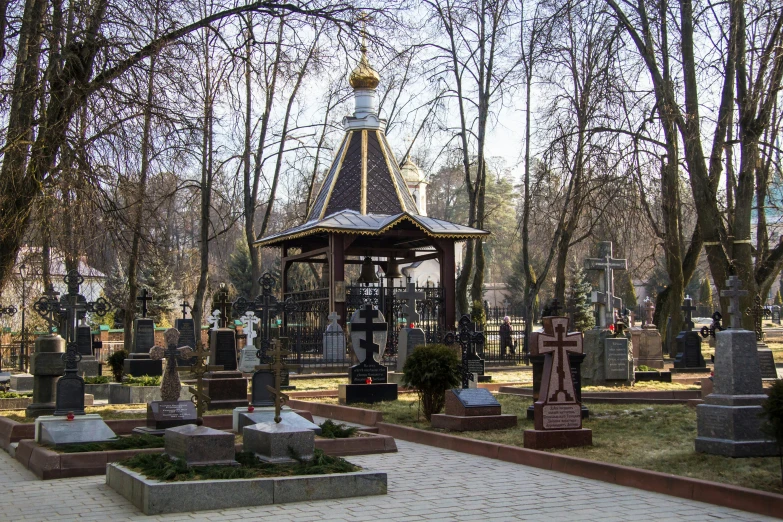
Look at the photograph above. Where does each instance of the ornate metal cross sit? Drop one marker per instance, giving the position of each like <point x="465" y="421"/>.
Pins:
<point x="712" y="329"/>
<point x="9" y="310"/>
<point x="734" y="293"/>
<point x="559" y="343"/>
<point x="48" y="307"/>
<point x="73" y="306"/>
<point x="758" y="312"/>
<point x="144" y="297"/>
<point x="688" y="308"/>
<point x="199" y="398"/>
<point x="276" y="366"/>
<point x="369" y="327"/>
<point x="409" y="298"/>
<point x="170" y="385"/>
<point x="467" y="339"/>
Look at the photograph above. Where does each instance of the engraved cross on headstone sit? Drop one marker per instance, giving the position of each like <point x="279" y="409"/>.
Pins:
<point x="605" y="299"/>
<point x="688" y="308"/>
<point x="170" y="385"/>
<point x="734" y="293"/>
<point x="758" y="312"/>
<point x="410" y="296"/>
<point x="559" y="343"/>
<point x="368" y="313"/>
<point x="144" y="297"/>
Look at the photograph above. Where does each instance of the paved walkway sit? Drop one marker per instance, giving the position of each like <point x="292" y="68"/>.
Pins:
<point x="425" y="484"/>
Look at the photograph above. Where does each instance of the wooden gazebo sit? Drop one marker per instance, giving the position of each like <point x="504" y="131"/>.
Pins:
<point x="364" y="209"/>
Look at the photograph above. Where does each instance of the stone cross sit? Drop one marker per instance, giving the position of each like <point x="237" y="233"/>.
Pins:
<point x="688" y="308"/>
<point x="144" y="297"/>
<point x="249" y="321"/>
<point x="554" y="307"/>
<point x="199" y="398"/>
<point x="758" y="312"/>
<point x="409" y="307"/>
<point x="734" y="293"/>
<point x="333" y="318"/>
<point x="224" y="305"/>
<point x="649" y="311"/>
<point x="170" y="385"/>
<point x="368" y="313"/>
<point x="278" y="351"/>
<point x="185" y="306"/>
<point x="214" y="320"/>
<point x="559" y="343"/>
<point x="606" y="300"/>
<point x="467" y="338"/>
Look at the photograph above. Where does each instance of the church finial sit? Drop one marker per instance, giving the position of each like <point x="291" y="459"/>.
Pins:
<point x="364" y="76"/>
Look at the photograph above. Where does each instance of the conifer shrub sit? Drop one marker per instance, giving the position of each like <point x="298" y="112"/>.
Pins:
<point x="432" y="370"/>
<point x="772" y="412"/>
<point x="116" y="362"/>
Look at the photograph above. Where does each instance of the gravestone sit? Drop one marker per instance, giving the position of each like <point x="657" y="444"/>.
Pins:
<point x="368" y="379"/>
<point x="187" y="337"/>
<point x="558" y="412"/>
<point x="776" y="314"/>
<point x="225" y="389"/>
<point x="608" y="359"/>
<point x="87" y="365"/>
<point x="59" y="431"/>
<point x="379" y="335"/>
<point x="47" y="366"/>
<point x="407" y="340"/>
<point x="729" y="420"/>
<point x="243" y="417"/>
<point x="472" y="409"/>
<point x="248" y="358"/>
<point x="200" y="446"/>
<point x="223" y="348"/>
<point x="605" y="299"/>
<point x="688" y="343"/>
<point x="650" y="351"/>
<point x="259" y="393"/>
<point x="138" y="362"/>
<point x="766" y="359"/>
<point x="334" y="340"/>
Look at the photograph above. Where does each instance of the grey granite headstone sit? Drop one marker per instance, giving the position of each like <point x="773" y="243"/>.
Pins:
<point x="187" y="337"/>
<point x="729" y="422"/>
<point x="223" y="348"/>
<point x="334" y="341"/>
<point x="244" y="418"/>
<point x="144" y="337"/>
<point x="767" y="364"/>
<point x="84" y="340"/>
<point x="275" y="442"/>
<point x="594" y="367"/>
<point x="407" y="340"/>
<point x="21" y="382"/>
<point x="689" y="350"/>
<point x="200" y="446"/>
<point x="82" y="429"/>
<point x="618" y="363"/>
<point x="378" y="337"/>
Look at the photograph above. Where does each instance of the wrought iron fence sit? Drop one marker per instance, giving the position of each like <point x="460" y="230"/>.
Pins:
<point x="504" y="348"/>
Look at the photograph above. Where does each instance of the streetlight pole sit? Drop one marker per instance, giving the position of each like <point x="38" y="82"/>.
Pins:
<point x="23" y="350"/>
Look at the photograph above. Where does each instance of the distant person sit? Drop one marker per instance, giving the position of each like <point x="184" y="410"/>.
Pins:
<point x="506" y="340"/>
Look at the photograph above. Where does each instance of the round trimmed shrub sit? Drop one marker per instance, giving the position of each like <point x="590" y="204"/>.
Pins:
<point x="432" y="370"/>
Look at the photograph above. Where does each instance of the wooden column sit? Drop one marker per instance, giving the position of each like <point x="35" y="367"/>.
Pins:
<point x="336" y="259"/>
<point x="448" y="271"/>
<point x="284" y="266"/>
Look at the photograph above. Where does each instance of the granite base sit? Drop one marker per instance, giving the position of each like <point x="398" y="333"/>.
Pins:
<point x="366" y="393"/>
<point x="474" y="422"/>
<point x="553" y="439"/>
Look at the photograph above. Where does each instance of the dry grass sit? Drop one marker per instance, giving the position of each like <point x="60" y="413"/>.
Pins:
<point x="657" y="438"/>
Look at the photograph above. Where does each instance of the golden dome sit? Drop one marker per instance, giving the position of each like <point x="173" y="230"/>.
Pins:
<point x="364" y="76"/>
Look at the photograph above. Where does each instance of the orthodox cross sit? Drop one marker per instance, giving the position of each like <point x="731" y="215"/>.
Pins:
<point x="369" y="327"/>
<point x="572" y="309"/>
<point x="712" y="329"/>
<point x="688" y="308"/>
<point x="276" y="366"/>
<point x="649" y="312"/>
<point x="758" y="312"/>
<point x="333" y="318"/>
<point x="185" y="306"/>
<point x="224" y="306"/>
<point x="73" y="306"/>
<point x="554" y="307"/>
<point x="467" y="339"/>
<point x="170" y="385"/>
<point x="558" y="343"/>
<point x="199" y="398"/>
<point x="606" y="300"/>
<point x="249" y="321"/>
<point x="144" y="297"/>
<point x="48" y="307"/>
<point x="214" y="319"/>
<point x="409" y="297"/>
<point x="734" y="293"/>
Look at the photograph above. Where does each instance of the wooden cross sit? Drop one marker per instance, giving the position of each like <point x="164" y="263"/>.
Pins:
<point x="170" y="385"/>
<point x="279" y="349"/>
<point x="758" y="312"/>
<point x="199" y="398"/>
<point x="369" y="327"/>
<point x="558" y="386"/>
<point x="734" y="293"/>
<point x="144" y="297"/>
<point x="688" y="308"/>
<point x="185" y="305"/>
<point x="409" y="298"/>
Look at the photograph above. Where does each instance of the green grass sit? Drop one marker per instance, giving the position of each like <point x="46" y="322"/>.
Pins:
<point x="144" y="380"/>
<point x="163" y="467"/>
<point x="657" y="438"/>
<point x="97" y="379"/>
<point x="15" y="395"/>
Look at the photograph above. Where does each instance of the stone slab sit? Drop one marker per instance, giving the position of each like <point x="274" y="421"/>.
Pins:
<point x="22" y="382"/>
<point x="553" y="439"/>
<point x="366" y="393"/>
<point x="57" y="430"/>
<point x="732" y="430"/>
<point x="200" y="446"/>
<point x="618" y="359"/>
<point x="242" y="418"/>
<point x="164" y="414"/>
<point x="279" y="442"/>
<point x="473" y="423"/>
<point x="153" y="497"/>
<point x="471" y="402"/>
<point x="226" y="389"/>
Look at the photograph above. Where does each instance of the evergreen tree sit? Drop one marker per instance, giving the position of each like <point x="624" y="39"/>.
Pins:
<point x="705" y="294"/>
<point x="580" y="294"/>
<point x="115" y="290"/>
<point x="159" y="281"/>
<point x="626" y="291"/>
<point x="240" y="274"/>
<point x="778" y="298"/>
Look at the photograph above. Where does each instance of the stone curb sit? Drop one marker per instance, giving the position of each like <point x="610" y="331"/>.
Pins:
<point x="736" y="497"/>
<point x="367" y="444"/>
<point x="15" y="404"/>
<point x="153" y="497"/>
<point x="343" y="413"/>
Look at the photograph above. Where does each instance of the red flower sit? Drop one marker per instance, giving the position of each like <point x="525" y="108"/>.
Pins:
<point x="250" y="408"/>
<point x="368" y="380"/>
<point x="70" y="416"/>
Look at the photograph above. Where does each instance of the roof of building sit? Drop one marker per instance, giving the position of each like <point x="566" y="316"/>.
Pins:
<point x="349" y="221"/>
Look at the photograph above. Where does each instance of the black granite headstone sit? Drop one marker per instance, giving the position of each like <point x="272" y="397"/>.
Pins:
<point x="225" y="348"/>
<point x="165" y="414"/>
<point x="187" y="337"/>
<point x="70" y="395"/>
<point x="145" y="335"/>
<point x="84" y="340"/>
<point x="259" y="394"/>
<point x="689" y="350"/>
<point x="369" y="368"/>
<point x="475" y="364"/>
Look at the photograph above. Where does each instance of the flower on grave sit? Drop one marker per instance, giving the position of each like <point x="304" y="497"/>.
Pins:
<point x="368" y="380"/>
<point x="413" y="325"/>
<point x="611" y="328"/>
<point x="70" y="416"/>
<point x="251" y="408"/>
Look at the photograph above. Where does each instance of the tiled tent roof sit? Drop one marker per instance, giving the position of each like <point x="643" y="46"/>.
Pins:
<point x="364" y="177"/>
<point x="350" y="221"/>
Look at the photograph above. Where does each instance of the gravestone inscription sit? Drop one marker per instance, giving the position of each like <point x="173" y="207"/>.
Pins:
<point x="767" y="364"/>
<point x="145" y="335"/>
<point x="616" y="358"/>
